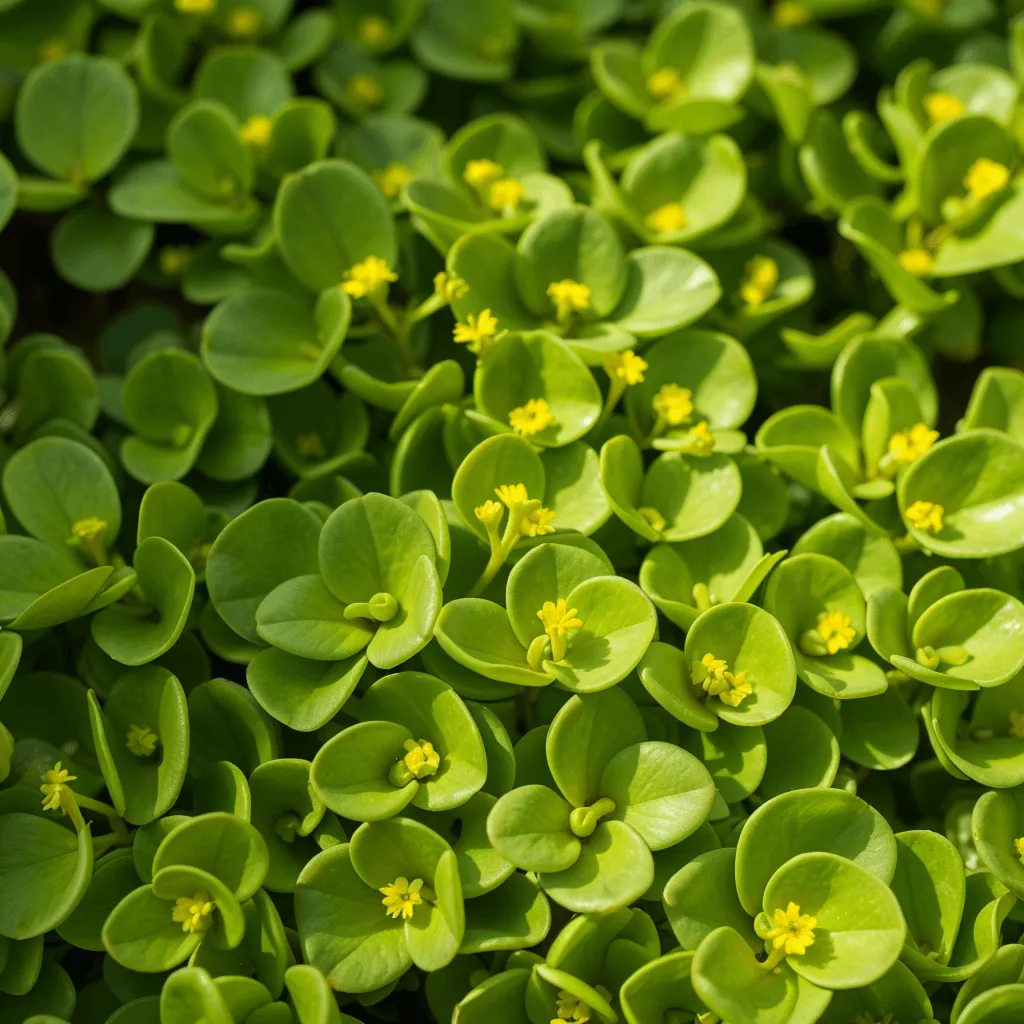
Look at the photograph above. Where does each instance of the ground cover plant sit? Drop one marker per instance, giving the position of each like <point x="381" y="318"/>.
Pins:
<point x="512" y="512"/>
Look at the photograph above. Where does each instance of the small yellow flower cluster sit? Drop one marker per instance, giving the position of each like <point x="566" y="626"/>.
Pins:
<point x="760" y="282"/>
<point x="918" y="261"/>
<point x="941" y="106"/>
<point x="367" y="277"/>
<point x="557" y="618"/>
<point x="421" y="758"/>
<point x="699" y="440"/>
<point x="626" y="367"/>
<point x="984" y="178"/>
<point x="1017" y="725"/>
<point x="713" y="675"/>
<point x="310" y="446"/>
<point x="195" y="6"/>
<point x="1018" y="845"/>
<point x="569" y="297"/>
<point x="790" y="14"/>
<point x="656" y="520"/>
<point x="174" y="259"/>
<point x="570" y="1010"/>
<point x="673" y="404"/>
<point x="55" y="784"/>
<point x="256" y="131"/>
<point x="141" y="740"/>
<point x="402" y="897"/>
<point x="925" y="516"/>
<point x="449" y="287"/>
<point x="392" y="178"/>
<point x="501" y="193"/>
<point x="667" y="219"/>
<point x="534" y="524"/>
<point x="791" y="931"/>
<point x="364" y="90"/>
<point x="244" y="22"/>
<point x="194" y="913"/>
<point x="532" y="418"/>
<point x="835" y="630"/>
<point x="373" y="30"/>
<point x="908" y="447"/>
<point x="665" y="84"/>
<point x="478" y="331"/>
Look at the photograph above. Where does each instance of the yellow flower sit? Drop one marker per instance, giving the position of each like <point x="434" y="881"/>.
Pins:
<point x="916" y="261"/>
<point x="790" y="14"/>
<point x="87" y="535"/>
<point x="174" y="259"/>
<point x="910" y="446"/>
<point x="392" y="178"/>
<point x="422" y="759"/>
<point x="373" y="30"/>
<point x="667" y="218"/>
<point x="402" y="897"/>
<point x="195" y="913"/>
<point x="557" y="618"/>
<point x="257" y="130"/>
<point x="142" y="740"/>
<point x="653" y="516"/>
<point x="366" y="277"/>
<point x="665" y="84"/>
<point x="506" y="194"/>
<point x="626" y="366"/>
<point x="570" y="1010"/>
<point x="538" y="523"/>
<point x="925" y="515"/>
<point x="531" y="418"/>
<point x="55" y="784"/>
<point x="512" y="494"/>
<point x="449" y="287"/>
<point x="1017" y="725"/>
<point x="699" y="440"/>
<point x="53" y="49"/>
<point x="478" y="173"/>
<point x="244" y="22"/>
<point x="364" y="90"/>
<point x="792" y="931"/>
<point x="737" y="689"/>
<point x="835" y="629"/>
<point x="673" y="404"/>
<point x="758" y="285"/>
<point x="713" y="675"/>
<point x="1018" y="845"/>
<point x="940" y="106"/>
<point x="195" y="6"/>
<point x="489" y="513"/>
<point x="310" y="446"/>
<point x="986" y="177"/>
<point x="569" y="297"/>
<point x="478" y="331"/>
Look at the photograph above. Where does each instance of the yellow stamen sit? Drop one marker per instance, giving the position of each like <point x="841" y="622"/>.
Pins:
<point x="478" y="331"/>
<point x="310" y="446"/>
<point x="478" y="173"/>
<point x="918" y="262"/>
<point x="940" y="106"/>
<point x="926" y="516"/>
<point x="505" y="195"/>
<point x="244" y="22"/>
<point x="490" y="513"/>
<point x="53" y="49"/>
<point x="512" y="494"/>
<point x="713" y="675"/>
<point x="570" y="1010"/>
<point x="986" y="177"/>
<point x="569" y="297"/>
<point x="367" y="277"/>
<point x="373" y="30"/>
<point x="195" y="6"/>
<point x="88" y="535"/>
<point x="257" y="131"/>
<point x="538" y="523"/>
<point x="759" y="284"/>
<point x="626" y="366"/>
<point x="364" y="90"/>
<point x="1017" y="725"/>
<point x="1018" y="845"/>
<point x="665" y="84"/>
<point x="673" y="404"/>
<point x="557" y="618"/>
<point x="195" y="913"/>
<point x="790" y="14"/>
<point x="791" y="931"/>
<point x="422" y="759"/>
<point x="142" y="740"/>
<point x="402" y="897"/>
<point x="531" y="418"/>
<point x="667" y="218"/>
<point x="906" y="448"/>
<point x="835" y="629"/>
<point x="656" y="520"/>
<point x="450" y="287"/>
<point x="699" y="440"/>
<point x="55" y="785"/>
<point x="174" y="259"/>
<point x="392" y="178"/>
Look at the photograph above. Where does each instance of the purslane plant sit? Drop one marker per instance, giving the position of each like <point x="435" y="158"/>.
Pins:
<point x="511" y="512"/>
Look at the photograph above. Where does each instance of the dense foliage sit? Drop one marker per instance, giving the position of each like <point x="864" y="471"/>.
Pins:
<point x="512" y="512"/>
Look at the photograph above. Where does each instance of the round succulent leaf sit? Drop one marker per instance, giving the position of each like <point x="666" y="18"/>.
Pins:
<point x="860" y="928"/>
<point x="752" y="641"/>
<point x="112" y="879"/>
<point x="826" y="60"/>
<point x="220" y="844"/>
<point x="622" y="477"/>
<point x="247" y="80"/>
<point x="204" y="142"/>
<point x="181" y="880"/>
<point x="167" y="579"/>
<point x="996" y="824"/>
<point x="662" y="792"/>
<point x="344" y="931"/>
<point x="140" y="934"/>
<point x="191" y="994"/>
<point x="487" y="264"/>
<point x="665" y="675"/>
<point x="75" y="117"/>
<point x="516" y="915"/>
<point x="879" y="732"/>
<point x="666" y="288"/>
<point x="982" y="498"/>
<point x="329" y="217"/>
<point x="239" y="441"/>
<point x="247" y="560"/>
<point x="53" y="483"/>
<point x="805" y="820"/>
<point x="799" y="729"/>
<point x="529" y="827"/>
<point x="695" y="494"/>
<point x="97" y="251"/>
<point x="298" y="337"/>
<point x="870" y="556"/>
<point x="143" y="786"/>
<point x="659" y="988"/>
<point x="535" y="365"/>
<point x="792" y="438"/>
<point x="573" y="487"/>
<point x="997" y="401"/>
<point x="222" y="786"/>
<point x="736" y="756"/>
